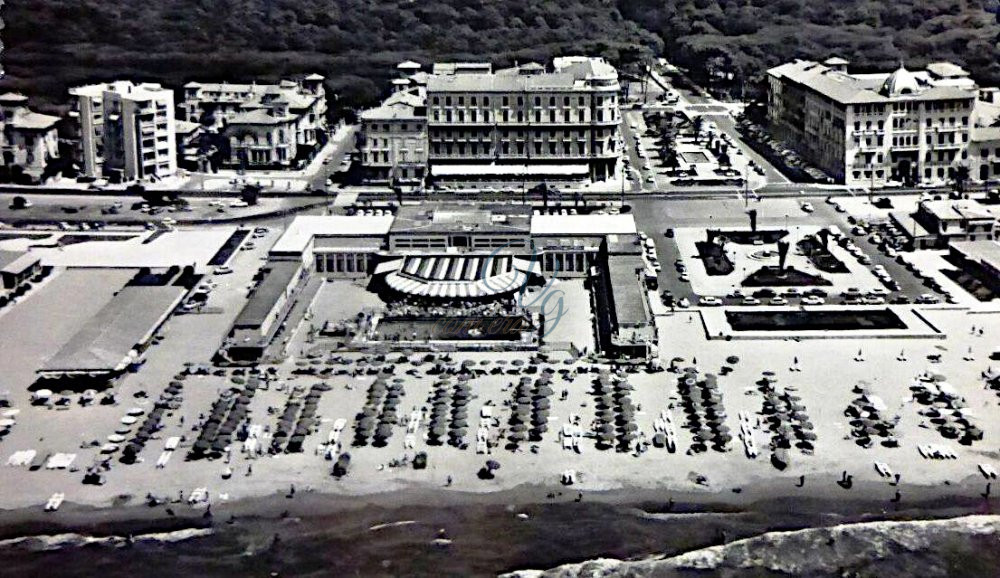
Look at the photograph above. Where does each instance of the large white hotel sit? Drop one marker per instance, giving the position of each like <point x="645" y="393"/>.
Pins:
<point x="905" y="127"/>
<point x="473" y="123"/>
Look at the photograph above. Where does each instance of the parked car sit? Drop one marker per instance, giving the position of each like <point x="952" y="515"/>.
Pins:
<point x="750" y="301"/>
<point x="813" y="300"/>
<point x="781" y="301"/>
<point x="709" y="301"/>
<point x="223" y="270"/>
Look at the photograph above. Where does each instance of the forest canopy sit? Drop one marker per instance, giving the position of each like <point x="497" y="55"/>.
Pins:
<point x="53" y="44"/>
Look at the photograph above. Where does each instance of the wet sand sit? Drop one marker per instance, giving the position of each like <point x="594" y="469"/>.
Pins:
<point x="394" y="533"/>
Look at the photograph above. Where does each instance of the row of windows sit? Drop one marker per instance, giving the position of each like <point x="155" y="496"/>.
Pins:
<point x="474" y="116"/>
<point x="520" y="149"/>
<point x="507" y="134"/>
<point x="506" y="100"/>
<point x="911" y="140"/>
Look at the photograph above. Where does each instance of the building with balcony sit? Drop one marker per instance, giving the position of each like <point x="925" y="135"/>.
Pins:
<point x="393" y="138"/>
<point x="871" y="130"/>
<point x="465" y="122"/>
<point x="264" y="126"/>
<point x="126" y="131"/>
<point x="28" y="139"/>
<point x="525" y="122"/>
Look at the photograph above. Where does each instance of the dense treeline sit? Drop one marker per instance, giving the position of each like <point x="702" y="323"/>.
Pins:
<point x="52" y="44"/>
<point x="750" y="35"/>
<point x="55" y="43"/>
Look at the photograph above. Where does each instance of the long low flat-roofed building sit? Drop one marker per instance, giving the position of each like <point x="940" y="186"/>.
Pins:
<point x="265" y="311"/>
<point x="583" y="225"/>
<point x="116" y="336"/>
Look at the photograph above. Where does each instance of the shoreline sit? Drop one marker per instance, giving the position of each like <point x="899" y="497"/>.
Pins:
<point x="865" y="500"/>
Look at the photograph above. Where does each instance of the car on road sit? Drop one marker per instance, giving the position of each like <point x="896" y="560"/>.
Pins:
<point x="750" y="301"/>
<point x="901" y="300"/>
<point x="781" y="301"/>
<point x="223" y="270"/>
<point x="329" y="182"/>
<point x="874" y="300"/>
<point x="684" y="303"/>
<point x="248" y="247"/>
<point x="807" y="207"/>
<point x="927" y="299"/>
<point x="684" y="277"/>
<point x="239" y="204"/>
<point x="813" y="300"/>
<point x="710" y="301"/>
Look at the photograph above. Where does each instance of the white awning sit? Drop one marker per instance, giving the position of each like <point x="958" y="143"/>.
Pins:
<point x="571" y="170"/>
<point x="388" y="267"/>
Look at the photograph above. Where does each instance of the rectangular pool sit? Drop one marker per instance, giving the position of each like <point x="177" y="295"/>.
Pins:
<point x="838" y="320"/>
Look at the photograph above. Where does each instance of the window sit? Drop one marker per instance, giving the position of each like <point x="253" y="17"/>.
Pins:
<point x="436" y="101"/>
<point x="538" y="101"/>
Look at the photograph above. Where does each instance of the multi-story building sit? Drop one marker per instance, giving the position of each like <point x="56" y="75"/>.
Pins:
<point x="476" y="124"/>
<point x="393" y="139"/>
<point x="875" y="129"/>
<point x="126" y="131"/>
<point x="525" y="121"/>
<point x="265" y="125"/>
<point x="27" y="139"/>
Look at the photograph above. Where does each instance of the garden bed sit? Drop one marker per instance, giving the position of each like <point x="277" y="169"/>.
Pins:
<point x="788" y="277"/>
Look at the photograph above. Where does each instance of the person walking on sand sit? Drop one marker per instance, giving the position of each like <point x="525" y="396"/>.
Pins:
<point x="802" y="481"/>
<point x="447" y="482"/>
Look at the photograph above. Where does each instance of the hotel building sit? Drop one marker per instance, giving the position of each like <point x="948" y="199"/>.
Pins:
<point x="877" y="129"/>
<point x="525" y="123"/>
<point x="126" y="131"/>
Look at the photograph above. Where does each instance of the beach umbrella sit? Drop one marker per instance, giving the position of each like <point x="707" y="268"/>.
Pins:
<point x="542" y="403"/>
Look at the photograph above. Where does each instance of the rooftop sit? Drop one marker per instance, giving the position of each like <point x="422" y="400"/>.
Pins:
<point x="278" y="276"/>
<point x="129" y="319"/>
<point x="126" y="88"/>
<point x="583" y="225"/>
<point x="627" y="292"/>
<point x="901" y="84"/>
<point x="302" y="230"/>
<point x="16" y="261"/>
<point x="568" y="73"/>
<point x="986" y="252"/>
<point x="946" y="209"/>
<point x="459" y="218"/>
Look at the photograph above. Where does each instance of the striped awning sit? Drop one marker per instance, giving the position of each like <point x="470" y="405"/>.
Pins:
<point x="456" y="277"/>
